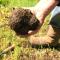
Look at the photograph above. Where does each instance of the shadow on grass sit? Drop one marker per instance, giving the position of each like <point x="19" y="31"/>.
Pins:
<point x="57" y="47"/>
<point x="1" y="56"/>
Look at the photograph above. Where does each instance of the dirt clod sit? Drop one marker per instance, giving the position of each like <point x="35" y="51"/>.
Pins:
<point x="22" y="20"/>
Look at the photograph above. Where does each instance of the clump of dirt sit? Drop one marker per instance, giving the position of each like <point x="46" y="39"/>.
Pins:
<point x="22" y="20"/>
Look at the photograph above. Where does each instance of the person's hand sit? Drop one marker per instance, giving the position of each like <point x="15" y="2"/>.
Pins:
<point x="40" y="15"/>
<point x="37" y="14"/>
<point x="32" y="9"/>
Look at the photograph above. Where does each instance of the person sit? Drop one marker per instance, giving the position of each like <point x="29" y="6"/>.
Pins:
<point x="41" y="10"/>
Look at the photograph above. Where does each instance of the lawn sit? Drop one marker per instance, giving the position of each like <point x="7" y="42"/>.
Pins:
<point x="22" y="50"/>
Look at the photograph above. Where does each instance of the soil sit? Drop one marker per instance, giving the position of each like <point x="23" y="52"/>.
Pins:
<point x="22" y="20"/>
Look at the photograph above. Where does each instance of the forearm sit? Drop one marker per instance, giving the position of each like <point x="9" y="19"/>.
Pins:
<point x="45" y="6"/>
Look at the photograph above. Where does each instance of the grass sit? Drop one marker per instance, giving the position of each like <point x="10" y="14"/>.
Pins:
<point x="18" y="3"/>
<point x="23" y="3"/>
<point x="23" y="50"/>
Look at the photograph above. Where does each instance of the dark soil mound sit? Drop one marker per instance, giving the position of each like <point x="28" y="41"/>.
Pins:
<point x="22" y="20"/>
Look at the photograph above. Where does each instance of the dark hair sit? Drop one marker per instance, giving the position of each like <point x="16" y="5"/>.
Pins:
<point x="22" y="20"/>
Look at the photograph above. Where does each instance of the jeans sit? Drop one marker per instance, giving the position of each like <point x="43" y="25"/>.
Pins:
<point x="55" y="17"/>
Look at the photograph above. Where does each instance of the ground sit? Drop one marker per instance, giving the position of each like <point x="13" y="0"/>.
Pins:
<point x="22" y="49"/>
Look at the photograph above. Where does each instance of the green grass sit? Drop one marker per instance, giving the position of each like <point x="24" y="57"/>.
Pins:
<point x="23" y="50"/>
<point x="22" y="3"/>
<point x="18" y="3"/>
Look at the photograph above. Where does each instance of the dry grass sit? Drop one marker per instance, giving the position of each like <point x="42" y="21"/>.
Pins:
<point x="23" y="50"/>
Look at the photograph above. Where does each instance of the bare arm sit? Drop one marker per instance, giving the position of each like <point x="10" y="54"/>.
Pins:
<point x="43" y="8"/>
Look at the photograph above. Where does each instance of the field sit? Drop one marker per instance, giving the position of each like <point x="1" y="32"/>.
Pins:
<point x="22" y="50"/>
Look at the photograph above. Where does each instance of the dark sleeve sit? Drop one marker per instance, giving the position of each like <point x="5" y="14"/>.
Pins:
<point x="59" y="3"/>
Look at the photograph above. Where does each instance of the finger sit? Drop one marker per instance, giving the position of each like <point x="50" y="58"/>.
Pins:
<point x="40" y="18"/>
<point x="30" y="32"/>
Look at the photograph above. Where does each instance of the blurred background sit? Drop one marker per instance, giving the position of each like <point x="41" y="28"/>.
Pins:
<point x="18" y="3"/>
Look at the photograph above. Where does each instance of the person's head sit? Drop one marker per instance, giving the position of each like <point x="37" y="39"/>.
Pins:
<point x="22" y="21"/>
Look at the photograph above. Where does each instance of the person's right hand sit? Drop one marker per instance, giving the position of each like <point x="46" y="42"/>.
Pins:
<point x="38" y="13"/>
